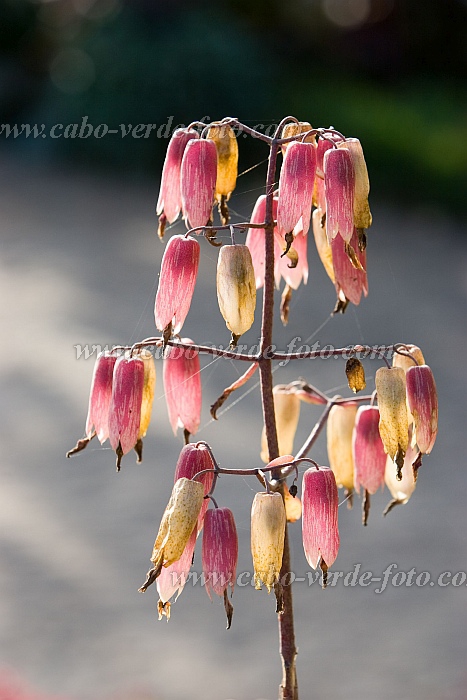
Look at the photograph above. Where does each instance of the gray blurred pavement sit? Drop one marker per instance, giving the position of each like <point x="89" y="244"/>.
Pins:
<point x="79" y="263"/>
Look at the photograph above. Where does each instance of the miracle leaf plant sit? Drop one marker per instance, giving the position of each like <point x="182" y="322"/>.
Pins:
<point x="373" y="439"/>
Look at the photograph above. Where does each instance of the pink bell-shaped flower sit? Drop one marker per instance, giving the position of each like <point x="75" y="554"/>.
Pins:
<point x="169" y="203"/>
<point x="368" y="450"/>
<point x="192" y="460"/>
<point x="339" y="182"/>
<point x="422" y="398"/>
<point x="220" y="555"/>
<point x="173" y="578"/>
<point x="182" y="388"/>
<point x="198" y="181"/>
<point x="296" y="187"/>
<point x="255" y="241"/>
<point x="319" y="518"/>
<point x="125" y="405"/>
<point x="350" y="281"/>
<point x="100" y="396"/>
<point x="177" y="280"/>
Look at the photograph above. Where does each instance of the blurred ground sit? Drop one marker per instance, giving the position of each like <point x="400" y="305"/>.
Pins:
<point x="79" y="264"/>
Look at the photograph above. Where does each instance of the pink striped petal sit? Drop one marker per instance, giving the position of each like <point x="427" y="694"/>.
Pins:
<point x="368" y="450"/>
<point x="296" y="187"/>
<point x="177" y="280"/>
<point x="173" y="578"/>
<point x="293" y="276"/>
<point x="347" y="278"/>
<point x="100" y="396"/>
<point x="182" y="387"/>
<point x="220" y="551"/>
<point x="170" y="199"/>
<point x="423" y="403"/>
<point x="198" y="181"/>
<point x="191" y="461"/>
<point x="255" y="241"/>
<point x="339" y="182"/>
<point x="319" y="520"/>
<point x="125" y="406"/>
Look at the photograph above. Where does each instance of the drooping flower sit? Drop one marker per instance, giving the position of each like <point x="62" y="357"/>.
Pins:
<point x="149" y="387"/>
<point x="320" y="529"/>
<point x="169" y="203"/>
<point x="296" y="187"/>
<point x="293" y="276"/>
<point x="295" y="129"/>
<point x="423" y="403"/>
<point x="125" y="405"/>
<point x="268" y="521"/>
<point x="401" y="489"/>
<point x="339" y="432"/>
<point x="198" y="181"/>
<point x="287" y="412"/>
<point x="350" y="280"/>
<point x="100" y="396"/>
<point x="192" y="460"/>
<point x="339" y="183"/>
<point x="177" y="280"/>
<point x="361" y="207"/>
<point x="177" y="524"/>
<point x="182" y="388"/>
<point x="405" y="361"/>
<point x="172" y="579"/>
<point x="368" y="450"/>
<point x="255" y="242"/>
<point x="236" y="289"/>
<point x="220" y="555"/>
<point x="227" y="162"/>
<point x="393" y="423"/>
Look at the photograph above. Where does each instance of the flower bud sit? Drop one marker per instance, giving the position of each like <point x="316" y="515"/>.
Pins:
<point x="355" y="374"/>
<point x="198" y="181"/>
<point x="340" y="425"/>
<point x="193" y="460"/>
<point x="423" y="403"/>
<point x="368" y="450"/>
<point x="227" y="158"/>
<point x="177" y="281"/>
<point x="125" y="405"/>
<point x="339" y="182"/>
<point x="268" y="521"/>
<point x="182" y="388"/>
<point x="322" y="244"/>
<point x="361" y="208"/>
<point x="255" y="241"/>
<point x="220" y="555"/>
<point x="320" y="529"/>
<point x="100" y="397"/>
<point x="236" y="290"/>
<point x="287" y="412"/>
<point x="169" y="203"/>
<point x="393" y="422"/>
<point x="173" y="578"/>
<point x="296" y="187"/>
<point x="177" y="524"/>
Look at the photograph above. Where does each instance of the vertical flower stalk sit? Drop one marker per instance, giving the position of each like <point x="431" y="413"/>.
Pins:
<point x="227" y="163"/>
<point x="236" y="289"/>
<point x="182" y="388"/>
<point x="393" y="422"/>
<point x="177" y="280"/>
<point x="339" y="433"/>
<point x="198" y="181"/>
<point x="368" y="455"/>
<point x="125" y="405"/>
<point x="169" y="203"/>
<point x="320" y="529"/>
<point x="220" y="555"/>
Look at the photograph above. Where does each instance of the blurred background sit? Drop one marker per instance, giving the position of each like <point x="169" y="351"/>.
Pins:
<point x="79" y="265"/>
